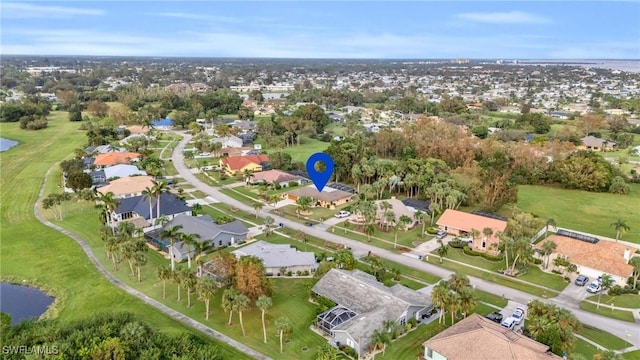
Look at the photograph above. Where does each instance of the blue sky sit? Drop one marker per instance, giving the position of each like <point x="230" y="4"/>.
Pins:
<point x="328" y="29"/>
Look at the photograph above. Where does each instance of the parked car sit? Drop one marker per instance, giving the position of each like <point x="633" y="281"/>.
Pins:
<point x="441" y="234"/>
<point x="495" y="317"/>
<point x="508" y="323"/>
<point x="581" y="280"/>
<point x="518" y="315"/>
<point x="342" y="214"/>
<point x="594" y="287"/>
<point x="466" y="239"/>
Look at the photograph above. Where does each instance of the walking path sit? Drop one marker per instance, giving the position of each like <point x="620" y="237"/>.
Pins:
<point x="625" y="330"/>
<point x="156" y="304"/>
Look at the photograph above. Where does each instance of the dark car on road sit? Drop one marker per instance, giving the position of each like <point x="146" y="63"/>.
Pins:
<point x="581" y="280"/>
<point x="495" y="317"/>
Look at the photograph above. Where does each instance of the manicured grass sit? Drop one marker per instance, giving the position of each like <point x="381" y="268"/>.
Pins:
<point x="42" y="256"/>
<point x="242" y="197"/>
<point x="633" y="355"/>
<point x="583" y="211"/>
<point x="626" y="300"/>
<point x="493" y="277"/>
<point x="207" y="180"/>
<point x="170" y="169"/>
<point x="585" y="349"/>
<point x="198" y="194"/>
<point x="606" y="311"/>
<point x="536" y="276"/>
<point x="491" y="298"/>
<point x="604" y="338"/>
<point x="300" y="153"/>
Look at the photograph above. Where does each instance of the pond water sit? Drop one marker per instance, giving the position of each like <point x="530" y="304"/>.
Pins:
<point x="6" y="144"/>
<point x="23" y="302"/>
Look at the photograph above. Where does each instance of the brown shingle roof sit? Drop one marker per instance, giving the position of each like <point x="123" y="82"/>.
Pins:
<point x="606" y="256"/>
<point x="480" y="339"/>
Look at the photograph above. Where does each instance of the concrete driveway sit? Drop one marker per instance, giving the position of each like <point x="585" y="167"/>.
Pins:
<point x="573" y="291"/>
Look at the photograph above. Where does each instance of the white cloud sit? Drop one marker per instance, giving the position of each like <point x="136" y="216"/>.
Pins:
<point x="25" y="10"/>
<point x="513" y="17"/>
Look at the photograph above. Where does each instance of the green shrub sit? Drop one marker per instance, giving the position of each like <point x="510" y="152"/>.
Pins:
<point x="432" y="230"/>
<point x="457" y="244"/>
<point x="537" y="261"/>
<point x="619" y="290"/>
<point x="467" y="250"/>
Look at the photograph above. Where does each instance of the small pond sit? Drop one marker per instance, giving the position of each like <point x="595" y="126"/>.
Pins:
<point x="6" y="144"/>
<point x="23" y="302"/>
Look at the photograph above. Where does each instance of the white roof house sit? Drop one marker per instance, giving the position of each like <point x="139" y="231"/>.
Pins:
<point x="278" y="256"/>
<point x="122" y="171"/>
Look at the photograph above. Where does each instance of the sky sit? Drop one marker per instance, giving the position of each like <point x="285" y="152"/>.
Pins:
<point x="326" y="29"/>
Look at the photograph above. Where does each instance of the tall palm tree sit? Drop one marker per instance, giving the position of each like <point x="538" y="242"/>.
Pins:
<point x="264" y="303"/>
<point x="548" y="246"/>
<point x="148" y="194"/>
<point x="369" y="229"/>
<point x="453" y="304"/>
<point x="439" y="294"/>
<point x="442" y="250"/>
<point x="228" y="300"/>
<point x="474" y="235"/>
<point x="379" y="340"/>
<point x="177" y="277"/>
<point x="109" y="203"/>
<point x="164" y="274"/>
<point x="458" y="281"/>
<point x="621" y="227"/>
<point x="257" y="206"/>
<point x="190" y="240"/>
<point x="241" y="303"/>
<point x="200" y="248"/>
<point x="487" y="232"/>
<point x="273" y="199"/>
<point x="206" y="288"/>
<point x="434" y="209"/>
<point x="606" y="282"/>
<point x="401" y="225"/>
<point x="467" y="301"/>
<point x="303" y="204"/>
<point x="189" y="280"/>
<point x="158" y="188"/>
<point x="173" y="234"/>
<point x="195" y="209"/>
<point x="389" y="217"/>
<point x="269" y="223"/>
<point x="284" y="326"/>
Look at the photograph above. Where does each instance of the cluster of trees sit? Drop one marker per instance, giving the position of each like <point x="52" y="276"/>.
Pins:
<point x="552" y="326"/>
<point x="74" y="174"/>
<point x="113" y="335"/>
<point x="31" y="112"/>
<point x="453" y="296"/>
<point x="285" y="131"/>
<point x="124" y="244"/>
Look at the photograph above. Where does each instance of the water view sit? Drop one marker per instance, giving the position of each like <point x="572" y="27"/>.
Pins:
<point x="6" y="144"/>
<point x="23" y="302"/>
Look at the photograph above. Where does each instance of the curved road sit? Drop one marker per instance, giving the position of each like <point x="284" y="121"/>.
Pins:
<point x="625" y="330"/>
<point x="156" y="304"/>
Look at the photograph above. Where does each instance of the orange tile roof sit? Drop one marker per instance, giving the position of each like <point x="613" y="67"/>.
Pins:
<point x="115" y="158"/>
<point x="606" y="256"/>
<point x="463" y="221"/>
<point x="127" y="185"/>
<point x="486" y="340"/>
<point x="238" y="162"/>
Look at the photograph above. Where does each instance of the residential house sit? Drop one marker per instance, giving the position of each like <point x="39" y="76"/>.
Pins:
<point x="596" y="144"/>
<point x="363" y="305"/>
<point x="233" y="165"/>
<point x="228" y="141"/>
<point x="103" y="149"/>
<point x="125" y="187"/>
<point x="279" y="258"/>
<point x="399" y="209"/>
<point x="115" y="158"/>
<point x="113" y="172"/>
<point x="137" y="210"/>
<point x="207" y="230"/>
<point x="329" y="197"/>
<point x="279" y="177"/>
<point x="461" y="224"/>
<point x="592" y="256"/>
<point x="164" y="124"/>
<point x="478" y="338"/>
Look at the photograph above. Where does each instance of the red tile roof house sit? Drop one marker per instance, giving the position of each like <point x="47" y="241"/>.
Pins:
<point x="461" y="223"/>
<point x="237" y="164"/>
<point x="115" y="158"/>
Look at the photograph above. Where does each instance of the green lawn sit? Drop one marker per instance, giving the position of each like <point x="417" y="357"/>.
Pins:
<point x="626" y="301"/>
<point x="41" y="256"/>
<point x="583" y="211"/>
<point x="300" y="153"/>
<point x="491" y="298"/>
<point x="606" y="311"/>
<point x="633" y="355"/>
<point x="604" y="338"/>
<point x="585" y="349"/>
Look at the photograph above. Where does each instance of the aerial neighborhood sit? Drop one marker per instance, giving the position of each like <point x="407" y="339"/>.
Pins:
<point x="478" y="209"/>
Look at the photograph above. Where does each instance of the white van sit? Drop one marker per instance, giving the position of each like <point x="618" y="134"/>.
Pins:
<point x="508" y="323"/>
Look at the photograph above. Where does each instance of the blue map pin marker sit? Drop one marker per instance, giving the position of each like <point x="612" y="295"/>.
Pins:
<point x="320" y="179"/>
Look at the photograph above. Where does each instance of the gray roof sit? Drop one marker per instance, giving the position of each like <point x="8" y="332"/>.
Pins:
<point x="373" y="301"/>
<point x="122" y="170"/>
<point x="277" y="255"/>
<point x="206" y="227"/>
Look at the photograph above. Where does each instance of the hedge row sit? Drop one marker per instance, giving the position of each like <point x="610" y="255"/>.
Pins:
<point x="467" y="250"/>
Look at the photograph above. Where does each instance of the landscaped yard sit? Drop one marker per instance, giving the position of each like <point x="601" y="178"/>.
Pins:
<point x="46" y="258"/>
<point x="584" y="211"/>
<point x="604" y="310"/>
<point x="633" y="355"/>
<point x="626" y="301"/>
<point x="604" y="338"/>
<point x="585" y="349"/>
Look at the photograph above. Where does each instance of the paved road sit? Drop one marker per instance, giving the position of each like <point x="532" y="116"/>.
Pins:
<point x="156" y="304"/>
<point x="625" y="330"/>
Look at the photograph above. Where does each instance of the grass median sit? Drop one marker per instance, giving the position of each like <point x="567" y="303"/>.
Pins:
<point x="605" y="310"/>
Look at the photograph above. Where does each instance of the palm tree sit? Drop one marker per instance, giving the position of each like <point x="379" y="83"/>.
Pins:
<point x="110" y="203"/>
<point x="548" y="247"/>
<point x="195" y="209"/>
<point x="442" y="250"/>
<point x="228" y="299"/>
<point x="273" y="199"/>
<point x="487" y="232"/>
<point x="189" y="240"/>
<point x="189" y="280"/>
<point x="148" y="194"/>
<point x="284" y="326"/>
<point x="402" y="223"/>
<point x="177" y="277"/>
<point x="257" y="206"/>
<point x="157" y="189"/>
<point x="434" y="208"/>
<point x="241" y="303"/>
<point x="268" y="225"/>
<point x="474" y="235"/>
<point x="606" y="282"/>
<point x="369" y="229"/>
<point x="164" y="274"/>
<point x="173" y="234"/>
<point x="199" y="249"/>
<point x="206" y="288"/>
<point x="303" y="204"/>
<point x="467" y="301"/>
<point x="458" y="281"/>
<point x="380" y="339"/>
<point x="621" y="227"/>
<point x="439" y="294"/>
<point x="453" y="304"/>
<point x="264" y="303"/>
<point x="389" y="217"/>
